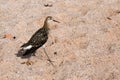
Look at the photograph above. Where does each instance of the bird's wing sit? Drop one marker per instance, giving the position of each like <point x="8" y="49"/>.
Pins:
<point x="39" y="38"/>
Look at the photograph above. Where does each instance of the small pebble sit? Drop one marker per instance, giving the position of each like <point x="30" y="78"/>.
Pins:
<point x="48" y="5"/>
<point x="14" y="37"/>
<point x="109" y="18"/>
<point x="55" y="53"/>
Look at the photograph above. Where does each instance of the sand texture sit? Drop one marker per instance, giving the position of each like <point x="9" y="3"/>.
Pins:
<point x="85" y="45"/>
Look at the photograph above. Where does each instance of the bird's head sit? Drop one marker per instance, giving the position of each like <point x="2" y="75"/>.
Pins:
<point x="50" y="18"/>
<point x="48" y="22"/>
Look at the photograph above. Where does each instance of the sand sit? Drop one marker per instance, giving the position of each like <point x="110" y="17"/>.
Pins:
<point x="85" y="45"/>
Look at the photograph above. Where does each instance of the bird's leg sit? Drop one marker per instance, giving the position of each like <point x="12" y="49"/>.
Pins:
<point x="33" y="54"/>
<point x="29" y="62"/>
<point x="48" y="57"/>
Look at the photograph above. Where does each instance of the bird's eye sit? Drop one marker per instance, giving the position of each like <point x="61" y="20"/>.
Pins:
<point x="49" y="18"/>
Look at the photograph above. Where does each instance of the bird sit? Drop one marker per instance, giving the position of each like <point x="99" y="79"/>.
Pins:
<point x="38" y="39"/>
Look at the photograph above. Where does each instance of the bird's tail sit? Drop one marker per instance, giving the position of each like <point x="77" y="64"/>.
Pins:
<point x="21" y="52"/>
<point x="24" y="51"/>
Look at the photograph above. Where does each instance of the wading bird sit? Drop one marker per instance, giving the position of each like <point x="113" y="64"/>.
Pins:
<point x="38" y="39"/>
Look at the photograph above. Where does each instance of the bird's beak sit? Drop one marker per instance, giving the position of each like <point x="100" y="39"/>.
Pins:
<point x="56" y="21"/>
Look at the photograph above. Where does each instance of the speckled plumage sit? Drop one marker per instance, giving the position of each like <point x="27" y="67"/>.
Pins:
<point x="38" y="39"/>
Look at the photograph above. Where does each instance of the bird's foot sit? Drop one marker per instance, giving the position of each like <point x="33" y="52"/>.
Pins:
<point x="51" y="62"/>
<point x="28" y="63"/>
